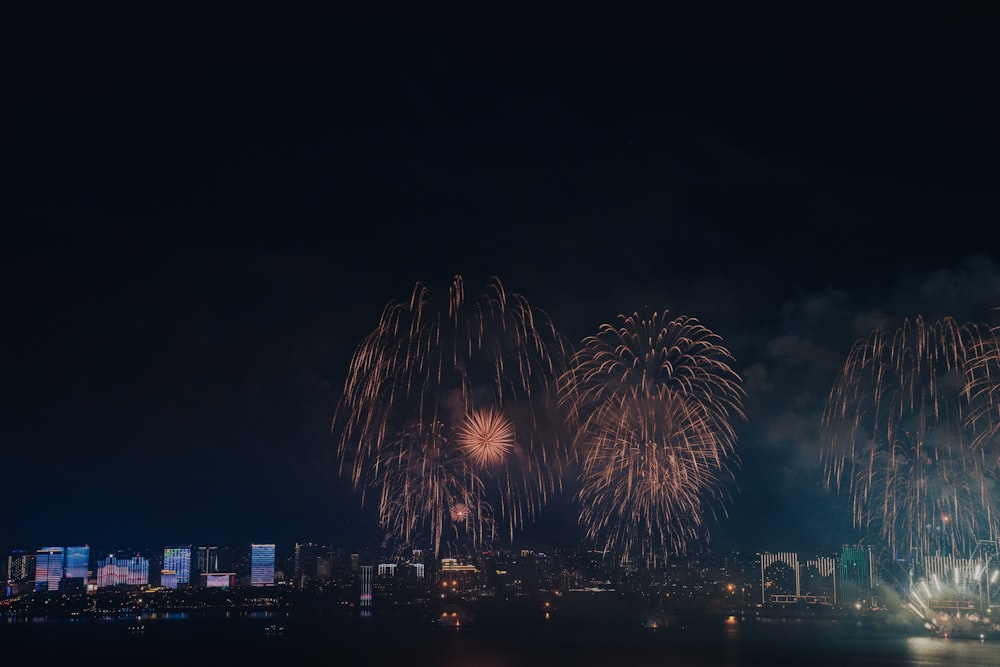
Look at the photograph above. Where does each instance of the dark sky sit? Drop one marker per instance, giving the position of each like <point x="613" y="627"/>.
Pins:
<point x="207" y="208"/>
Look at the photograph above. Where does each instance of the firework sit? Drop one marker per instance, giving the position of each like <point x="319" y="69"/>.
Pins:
<point x="486" y="436"/>
<point x="448" y="414"/>
<point x="653" y="402"/>
<point x="900" y="435"/>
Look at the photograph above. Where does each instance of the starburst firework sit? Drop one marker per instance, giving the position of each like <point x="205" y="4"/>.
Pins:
<point x="486" y="437"/>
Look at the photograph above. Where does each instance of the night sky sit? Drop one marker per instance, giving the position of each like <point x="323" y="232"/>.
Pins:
<point x="206" y="209"/>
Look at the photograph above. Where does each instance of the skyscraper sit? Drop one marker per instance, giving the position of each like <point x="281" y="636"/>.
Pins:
<point x="49" y="565"/>
<point x="208" y="560"/>
<point x="77" y="566"/>
<point x="178" y="559"/>
<point x="20" y="566"/>
<point x="856" y="574"/>
<point x="261" y="564"/>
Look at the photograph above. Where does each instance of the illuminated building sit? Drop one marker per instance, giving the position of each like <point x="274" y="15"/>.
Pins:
<point x="178" y="559"/>
<point x="261" y="564"/>
<point x="417" y="563"/>
<point x="49" y="562"/>
<point x="819" y="580"/>
<point x="386" y="569"/>
<point x="116" y="571"/>
<point x="168" y="579"/>
<point x="856" y="574"/>
<point x="366" y="586"/>
<point x="77" y="562"/>
<point x="208" y="559"/>
<point x="20" y="566"/>
<point x="779" y="577"/>
<point x="452" y="565"/>
<point x="76" y="568"/>
<point x="218" y="579"/>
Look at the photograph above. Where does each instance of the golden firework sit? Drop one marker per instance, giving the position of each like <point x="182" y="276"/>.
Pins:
<point x="653" y="402"/>
<point x="486" y="437"/>
<point x="410" y="425"/>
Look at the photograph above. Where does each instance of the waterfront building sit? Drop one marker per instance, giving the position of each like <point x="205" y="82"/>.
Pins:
<point x="178" y="559"/>
<point x="49" y="563"/>
<point x="168" y="579"/>
<point x="77" y="563"/>
<point x="261" y="564"/>
<point x="218" y="579"/>
<point x="857" y="572"/>
<point x="123" y="571"/>
<point x="208" y="559"/>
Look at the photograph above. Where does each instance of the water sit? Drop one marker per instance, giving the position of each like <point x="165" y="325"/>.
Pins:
<point x="264" y="639"/>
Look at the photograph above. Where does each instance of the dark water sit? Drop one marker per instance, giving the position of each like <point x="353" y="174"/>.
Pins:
<point x="246" y="640"/>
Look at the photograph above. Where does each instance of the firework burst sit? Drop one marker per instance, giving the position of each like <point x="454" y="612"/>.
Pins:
<point x="900" y="435"/>
<point x="653" y="402"/>
<point x="449" y="414"/>
<point x="486" y="436"/>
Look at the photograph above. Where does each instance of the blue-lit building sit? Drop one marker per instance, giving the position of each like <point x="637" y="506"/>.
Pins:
<point x="178" y="559"/>
<point x="168" y="579"/>
<point x="77" y="563"/>
<point x="49" y="563"/>
<point x="261" y="564"/>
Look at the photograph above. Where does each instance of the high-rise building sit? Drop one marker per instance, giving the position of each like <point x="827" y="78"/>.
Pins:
<point x="366" y="586"/>
<point x="208" y="560"/>
<point x="20" y="566"/>
<point x="178" y="559"/>
<point x="124" y="571"/>
<point x="49" y="563"/>
<point x="76" y="568"/>
<point x="20" y="573"/>
<point x="856" y="574"/>
<point x="77" y="562"/>
<point x="261" y="564"/>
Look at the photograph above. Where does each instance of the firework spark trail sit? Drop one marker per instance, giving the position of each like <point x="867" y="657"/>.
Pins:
<point x="900" y="433"/>
<point x="449" y="415"/>
<point x="984" y="394"/>
<point x="653" y="403"/>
